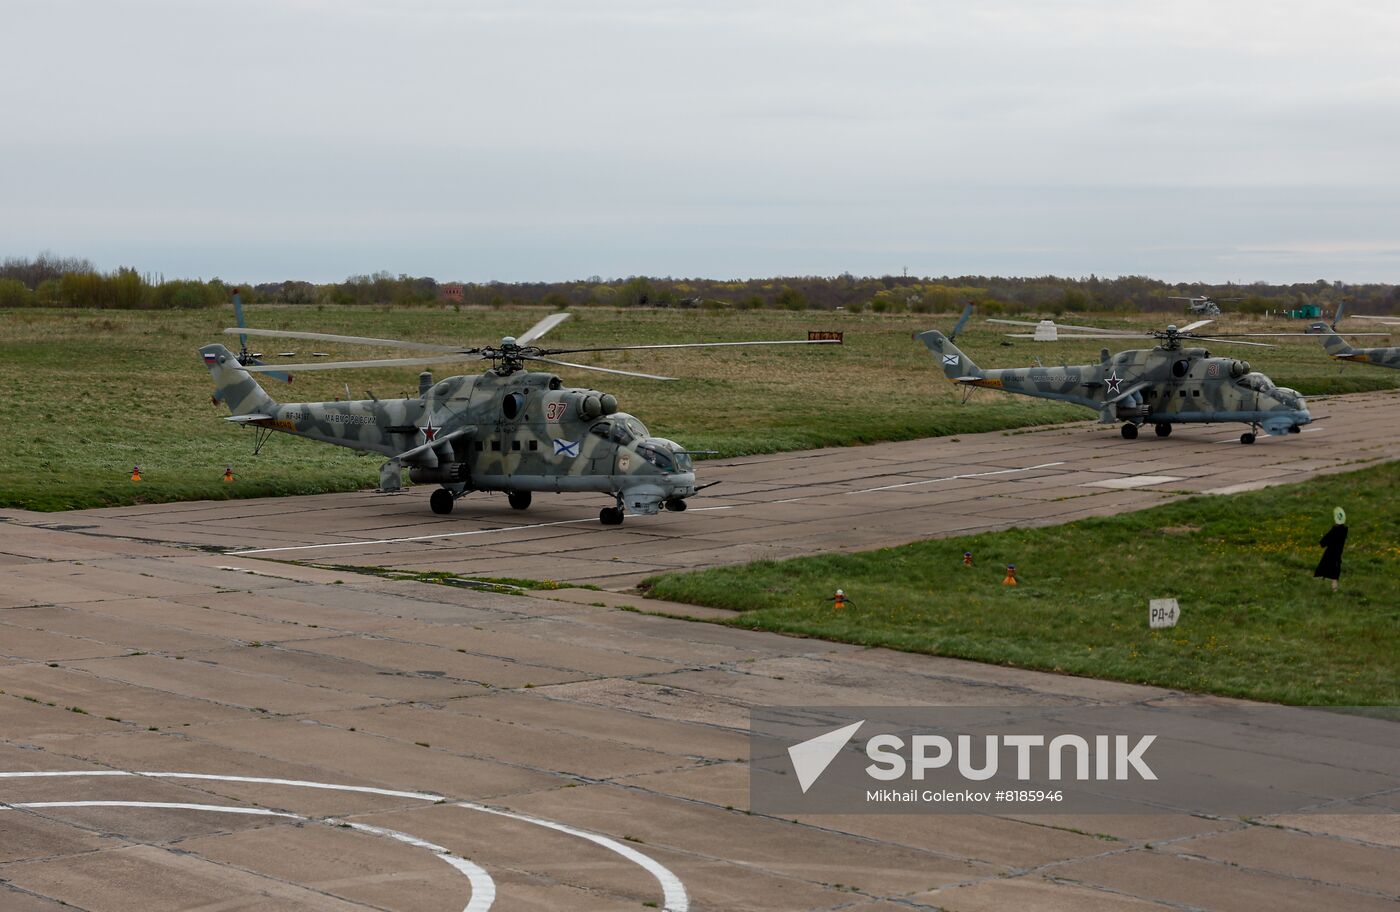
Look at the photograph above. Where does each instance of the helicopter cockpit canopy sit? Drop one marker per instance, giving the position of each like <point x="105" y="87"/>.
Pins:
<point x="621" y="429"/>
<point x="1257" y="382"/>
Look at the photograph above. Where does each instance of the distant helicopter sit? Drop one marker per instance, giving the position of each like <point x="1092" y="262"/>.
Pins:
<point x="1342" y="350"/>
<point x="1200" y="305"/>
<point x="508" y="429"/>
<point x="1160" y="386"/>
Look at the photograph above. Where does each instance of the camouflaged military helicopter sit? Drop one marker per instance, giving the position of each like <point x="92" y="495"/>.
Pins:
<point x="507" y="429"/>
<point x="1341" y="350"/>
<point x="1162" y="386"/>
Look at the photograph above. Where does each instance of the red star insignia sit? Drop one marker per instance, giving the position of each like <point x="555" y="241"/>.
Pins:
<point x="1114" y="382"/>
<point x="429" y="432"/>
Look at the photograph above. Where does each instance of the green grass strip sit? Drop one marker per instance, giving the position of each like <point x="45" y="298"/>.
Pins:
<point x="1255" y="623"/>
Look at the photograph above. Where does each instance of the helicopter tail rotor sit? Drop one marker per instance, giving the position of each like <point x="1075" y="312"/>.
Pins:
<point x="244" y="357"/>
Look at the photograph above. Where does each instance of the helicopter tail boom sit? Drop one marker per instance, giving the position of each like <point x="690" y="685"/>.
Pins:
<point x="234" y="385"/>
<point x="957" y="366"/>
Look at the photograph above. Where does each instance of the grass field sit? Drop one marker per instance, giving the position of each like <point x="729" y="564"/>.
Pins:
<point x="89" y="394"/>
<point x="1255" y="623"/>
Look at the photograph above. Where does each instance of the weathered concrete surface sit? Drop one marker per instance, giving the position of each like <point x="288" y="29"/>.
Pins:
<point x="123" y="648"/>
<point x="775" y="506"/>
<point x="121" y="656"/>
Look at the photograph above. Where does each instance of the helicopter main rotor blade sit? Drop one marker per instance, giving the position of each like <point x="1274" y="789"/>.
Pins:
<point x="1098" y="329"/>
<point x="351" y="340"/>
<point x="540" y="328"/>
<point x="1193" y="326"/>
<point x="589" y="367"/>
<point x="1387" y="321"/>
<point x="1309" y="335"/>
<point x="382" y="362"/>
<point x="612" y="348"/>
<point x="1065" y="337"/>
<point x="1230" y="341"/>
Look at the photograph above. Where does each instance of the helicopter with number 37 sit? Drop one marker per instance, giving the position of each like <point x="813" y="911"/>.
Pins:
<point x="508" y="429"/>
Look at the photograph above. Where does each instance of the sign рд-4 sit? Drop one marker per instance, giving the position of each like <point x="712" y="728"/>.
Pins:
<point x="1162" y="613"/>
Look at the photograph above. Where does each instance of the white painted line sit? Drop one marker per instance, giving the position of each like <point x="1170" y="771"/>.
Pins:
<point x="173" y="805"/>
<point x="415" y="538"/>
<point x="365" y="543"/>
<point x="911" y="484"/>
<point x="257" y="780"/>
<point x="418" y="538"/>
<point x="673" y="891"/>
<point x="483" y="887"/>
<point x="676" y="899"/>
<point x="1132" y="481"/>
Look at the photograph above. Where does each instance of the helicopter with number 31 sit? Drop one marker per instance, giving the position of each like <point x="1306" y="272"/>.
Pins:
<point x="507" y="429"/>
<point x="1170" y="384"/>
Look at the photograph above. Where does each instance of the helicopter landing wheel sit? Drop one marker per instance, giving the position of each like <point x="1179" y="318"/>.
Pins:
<point x="1130" y="432"/>
<point x="1247" y="437"/>
<point x="610" y="516"/>
<point x="520" y="500"/>
<point x="675" y="506"/>
<point x="1164" y="430"/>
<point x="441" y="501"/>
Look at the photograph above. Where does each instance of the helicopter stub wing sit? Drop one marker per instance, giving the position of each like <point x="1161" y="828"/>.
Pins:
<point x="1135" y="388"/>
<point x="435" y="442"/>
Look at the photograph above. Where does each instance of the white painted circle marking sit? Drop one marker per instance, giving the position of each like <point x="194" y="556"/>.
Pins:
<point x="673" y="890"/>
<point x="483" y="887"/>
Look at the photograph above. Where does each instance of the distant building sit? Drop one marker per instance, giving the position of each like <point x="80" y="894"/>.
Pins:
<point x="450" y="291"/>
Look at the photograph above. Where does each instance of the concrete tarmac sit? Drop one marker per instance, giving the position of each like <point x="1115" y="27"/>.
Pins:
<point x="776" y="506"/>
<point x="184" y="729"/>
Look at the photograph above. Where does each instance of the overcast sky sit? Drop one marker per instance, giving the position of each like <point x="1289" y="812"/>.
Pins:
<point x="260" y="140"/>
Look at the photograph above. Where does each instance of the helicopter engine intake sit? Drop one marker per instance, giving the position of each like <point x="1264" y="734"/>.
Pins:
<point x="593" y="405"/>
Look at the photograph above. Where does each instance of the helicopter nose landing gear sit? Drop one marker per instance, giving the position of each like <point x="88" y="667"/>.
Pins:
<point x="520" y="500"/>
<point x="1129" y="431"/>
<point x="675" y="506"/>
<point x="1164" y="430"/>
<point x="1247" y="437"/>
<point x="441" y="501"/>
<point x="612" y="516"/>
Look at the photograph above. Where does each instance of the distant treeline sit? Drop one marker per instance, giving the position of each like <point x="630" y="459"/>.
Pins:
<point x="52" y="281"/>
